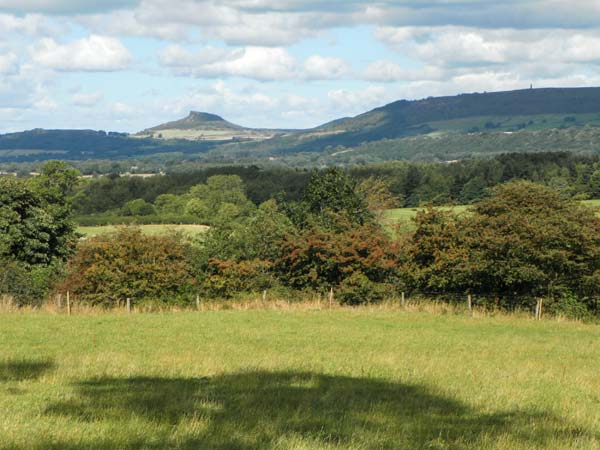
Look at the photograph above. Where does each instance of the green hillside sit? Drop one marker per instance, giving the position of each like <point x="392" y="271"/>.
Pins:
<point x="435" y="129"/>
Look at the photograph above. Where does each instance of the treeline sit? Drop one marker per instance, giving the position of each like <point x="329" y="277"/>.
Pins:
<point x="413" y="184"/>
<point x="522" y="242"/>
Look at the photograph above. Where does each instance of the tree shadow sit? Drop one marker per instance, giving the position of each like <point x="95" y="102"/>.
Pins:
<point x="19" y="370"/>
<point x="262" y="410"/>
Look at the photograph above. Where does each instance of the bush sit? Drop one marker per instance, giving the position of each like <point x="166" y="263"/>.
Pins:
<point x="230" y="278"/>
<point x="318" y="258"/>
<point x="128" y="264"/>
<point x="523" y="241"/>
<point x="357" y="289"/>
<point x="27" y="284"/>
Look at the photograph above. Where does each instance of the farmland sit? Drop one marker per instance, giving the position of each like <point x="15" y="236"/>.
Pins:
<point x="405" y="215"/>
<point x="146" y="229"/>
<point x="391" y="217"/>
<point x="297" y="379"/>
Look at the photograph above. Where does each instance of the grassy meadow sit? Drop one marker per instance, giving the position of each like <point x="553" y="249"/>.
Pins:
<point x="405" y="215"/>
<point x="297" y="379"/>
<point x="147" y="229"/>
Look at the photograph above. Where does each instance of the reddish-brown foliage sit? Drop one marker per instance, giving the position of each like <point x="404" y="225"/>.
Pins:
<point x="108" y="269"/>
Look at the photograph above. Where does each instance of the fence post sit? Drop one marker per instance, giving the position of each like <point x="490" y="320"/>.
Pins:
<point x="403" y="300"/>
<point x="469" y="302"/>
<point x="537" y="309"/>
<point x="197" y="302"/>
<point x="68" y="303"/>
<point x="264" y="296"/>
<point x="540" y="309"/>
<point x="59" y="301"/>
<point x="128" y="305"/>
<point x="331" y="298"/>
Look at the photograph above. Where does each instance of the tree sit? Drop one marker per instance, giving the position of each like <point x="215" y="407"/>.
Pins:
<point x="35" y="225"/>
<point x="377" y="195"/>
<point x="36" y="230"/>
<point x="320" y="257"/>
<point x="137" y="207"/>
<point x="222" y="198"/>
<point x="521" y="242"/>
<point x="473" y="190"/>
<point x="594" y="184"/>
<point x="334" y="191"/>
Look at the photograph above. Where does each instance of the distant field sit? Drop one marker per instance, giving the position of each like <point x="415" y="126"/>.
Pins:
<point x="304" y="380"/>
<point x="405" y="215"/>
<point x="390" y="218"/>
<point x="148" y="229"/>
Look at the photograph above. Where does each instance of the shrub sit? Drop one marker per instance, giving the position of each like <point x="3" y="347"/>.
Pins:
<point x="230" y="278"/>
<point x="108" y="269"/>
<point x="523" y="241"/>
<point x="318" y="258"/>
<point x="27" y="284"/>
<point x="357" y="289"/>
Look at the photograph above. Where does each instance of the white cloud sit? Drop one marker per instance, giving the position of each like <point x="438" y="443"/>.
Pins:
<point x="356" y="101"/>
<point x="450" y="45"/>
<point x="95" y="53"/>
<point x="321" y="68"/>
<point x="235" y="23"/>
<point x="258" y="63"/>
<point x="30" y="25"/>
<point x="388" y="72"/>
<point x="9" y="64"/>
<point x="122" y="110"/>
<point x="86" y="100"/>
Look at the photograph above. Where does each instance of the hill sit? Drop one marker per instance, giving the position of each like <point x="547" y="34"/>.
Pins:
<point x="205" y="126"/>
<point x="441" y="128"/>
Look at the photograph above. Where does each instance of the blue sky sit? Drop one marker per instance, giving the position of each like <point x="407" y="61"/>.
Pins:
<point x="128" y="65"/>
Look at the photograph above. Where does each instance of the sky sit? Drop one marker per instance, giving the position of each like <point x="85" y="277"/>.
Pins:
<point x="126" y="65"/>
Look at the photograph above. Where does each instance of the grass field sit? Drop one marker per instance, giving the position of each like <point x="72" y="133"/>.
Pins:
<point x="333" y="379"/>
<point x="148" y="229"/>
<point x="405" y="215"/>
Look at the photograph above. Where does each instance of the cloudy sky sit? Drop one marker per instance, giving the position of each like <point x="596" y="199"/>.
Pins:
<point x="126" y="65"/>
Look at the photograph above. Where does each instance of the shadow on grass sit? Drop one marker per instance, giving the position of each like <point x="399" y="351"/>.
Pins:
<point x="19" y="370"/>
<point x="262" y="410"/>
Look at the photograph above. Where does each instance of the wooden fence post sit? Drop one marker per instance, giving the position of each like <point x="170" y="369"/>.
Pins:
<point x="197" y="303"/>
<point x="264" y="296"/>
<point x="469" y="302"/>
<point x="128" y="305"/>
<point x="403" y="300"/>
<point x="331" y="298"/>
<point x="68" y="303"/>
<point x="59" y="301"/>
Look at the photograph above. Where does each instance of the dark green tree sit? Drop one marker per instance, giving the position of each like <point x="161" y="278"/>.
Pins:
<point x="333" y="191"/>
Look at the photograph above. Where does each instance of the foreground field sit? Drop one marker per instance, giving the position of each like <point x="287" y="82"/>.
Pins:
<point x="347" y="379"/>
<point x="147" y="229"/>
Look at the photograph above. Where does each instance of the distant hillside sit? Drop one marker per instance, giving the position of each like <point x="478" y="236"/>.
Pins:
<point x="452" y="127"/>
<point x="38" y="144"/>
<point x="198" y="120"/>
<point x="205" y="126"/>
<point x="533" y="109"/>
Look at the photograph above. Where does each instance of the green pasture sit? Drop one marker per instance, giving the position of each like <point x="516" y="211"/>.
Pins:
<point x="147" y="229"/>
<point x="391" y="217"/>
<point x="404" y="216"/>
<point x="297" y="379"/>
